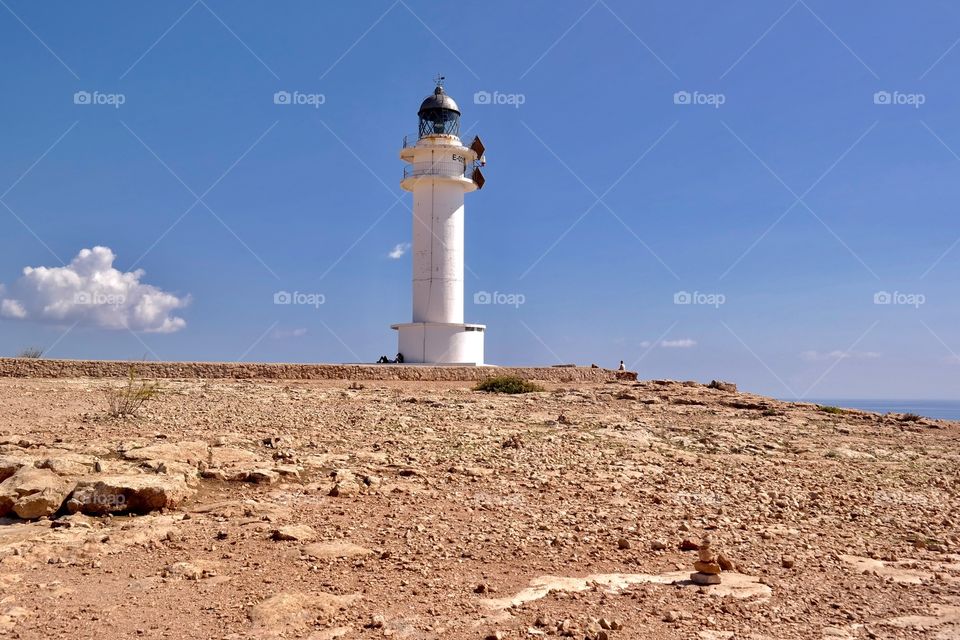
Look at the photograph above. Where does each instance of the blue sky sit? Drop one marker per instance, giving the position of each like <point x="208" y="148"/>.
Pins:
<point x="737" y="151"/>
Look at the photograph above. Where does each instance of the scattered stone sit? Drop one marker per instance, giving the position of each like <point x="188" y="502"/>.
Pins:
<point x="672" y="616"/>
<point x="787" y="562"/>
<point x="705" y="578"/>
<point x="725" y="563"/>
<point x="658" y="545"/>
<point x="295" y="532"/>
<point x="345" y="488"/>
<point x="513" y="442"/>
<point x="707" y="567"/>
<point x="73" y="521"/>
<point x="346" y="484"/>
<point x="376" y="622"/>
<point x="183" y="571"/>
<point x="689" y="545"/>
<point x="214" y="474"/>
<point x="262" y="476"/>
<point x="723" y="386"/>
<point x="610" y="625"/>
<point x="623" y="544"/>
<point x="288" y="470"/>
<point x="274" y="442"/>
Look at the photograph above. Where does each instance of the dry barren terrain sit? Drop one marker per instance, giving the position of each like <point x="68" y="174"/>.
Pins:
<point x="328" y="509"/>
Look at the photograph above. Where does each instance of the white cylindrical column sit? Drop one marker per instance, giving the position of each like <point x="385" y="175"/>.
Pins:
<point x="440" y="171"/>
<point x="438" y="251"/>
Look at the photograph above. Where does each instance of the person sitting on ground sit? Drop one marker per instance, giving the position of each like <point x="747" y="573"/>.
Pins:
<point x="383" y="360"/>
<point x="622" y="368"/>
<point x="399" y="359"/>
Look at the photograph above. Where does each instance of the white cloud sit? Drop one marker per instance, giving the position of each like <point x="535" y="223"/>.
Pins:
<point x="684" y="343"/>
<point x="399" y="251"/>
<point x="91" y="292"/>
<point x="816" y="356"/>
<point x="12" y="309"/>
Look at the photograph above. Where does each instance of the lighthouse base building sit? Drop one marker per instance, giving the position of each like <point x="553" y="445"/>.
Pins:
<point x="438" y="343"/>
<point x="440" y="171"/>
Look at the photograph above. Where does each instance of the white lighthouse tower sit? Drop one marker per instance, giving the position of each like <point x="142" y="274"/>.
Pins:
<point x="441" y="170"/>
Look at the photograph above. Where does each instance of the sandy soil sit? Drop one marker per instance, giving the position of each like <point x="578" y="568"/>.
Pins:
<point x="428" y="510"/>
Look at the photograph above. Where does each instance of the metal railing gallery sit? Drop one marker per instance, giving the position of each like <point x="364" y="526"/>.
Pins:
<point x="445" y="168"/>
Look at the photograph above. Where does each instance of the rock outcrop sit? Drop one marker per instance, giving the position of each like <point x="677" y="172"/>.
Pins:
<point x="32" y="493"/>
<point x="128" y="493"/>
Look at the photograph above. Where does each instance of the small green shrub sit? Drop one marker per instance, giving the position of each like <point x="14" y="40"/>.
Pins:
<point x="33" y="353"/>
<point x="833" y="410"/>
<point x="507" y="384"/>
<point x="125" y="401"/>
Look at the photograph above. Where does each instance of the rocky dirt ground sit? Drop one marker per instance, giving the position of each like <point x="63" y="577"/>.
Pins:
<point x="325" y="509"/>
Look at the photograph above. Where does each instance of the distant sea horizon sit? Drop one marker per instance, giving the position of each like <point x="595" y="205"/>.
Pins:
<point x="939" y="409"/>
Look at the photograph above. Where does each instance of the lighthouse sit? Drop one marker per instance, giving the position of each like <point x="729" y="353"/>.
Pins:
<point x="440" y="171"/>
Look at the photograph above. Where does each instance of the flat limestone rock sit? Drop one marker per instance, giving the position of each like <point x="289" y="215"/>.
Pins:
<point x="942" y="615"/>
<point x="332" y="550"/>
<point x="285" y="614"/>
<point x="736" y="585"/>
<point x="296" y="532"/>
<point x="128" y="493"/>
<point x="32" y="493"/>
<point x="9" y="466"/>
<point x="233" y="457"/>
<point x="903" y="576"/>
<point x="68" y="463"/>
<point x="194" y="570"/>
<point x="705" y="578"/>
<point x="192" y="453"/>
<point x="262" y="511"/>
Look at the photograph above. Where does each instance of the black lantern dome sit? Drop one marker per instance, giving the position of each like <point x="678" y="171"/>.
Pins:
<point x="439" y="114"/>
